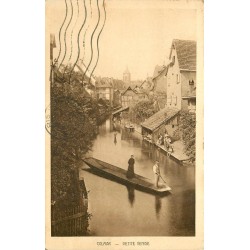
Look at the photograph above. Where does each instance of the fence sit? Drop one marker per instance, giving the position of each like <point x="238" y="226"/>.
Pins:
<point x="72" y="221"/>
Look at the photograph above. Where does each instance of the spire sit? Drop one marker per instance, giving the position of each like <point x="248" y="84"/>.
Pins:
<point x="126" y="71"/>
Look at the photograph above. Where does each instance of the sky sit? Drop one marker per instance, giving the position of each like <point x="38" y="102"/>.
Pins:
<point x="137" y="34"/>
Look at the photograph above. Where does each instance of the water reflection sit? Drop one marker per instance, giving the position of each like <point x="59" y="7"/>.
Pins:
<point x="131" y="195"/>
<point x="115" y="139"/>
<point x="115" y="126"/>
<point x="157" y="206"/>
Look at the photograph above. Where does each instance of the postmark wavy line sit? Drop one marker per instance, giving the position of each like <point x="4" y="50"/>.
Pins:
<point x="78" y="43"/>
<point x="84" y="44"/>
<point x="65" y="34"/>
<point x="71" y="39"/>
<point x="98" y="51"/>
<point x="71" y="35"/>
<point x="60" y="46"/>
<point x="91" y="41"/>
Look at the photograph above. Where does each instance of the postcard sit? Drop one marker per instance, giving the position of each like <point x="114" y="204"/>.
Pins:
<point x="124" y="124"/>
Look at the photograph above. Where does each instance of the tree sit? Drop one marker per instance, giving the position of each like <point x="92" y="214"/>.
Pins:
<point x="74" y="118"/>
<point x="187" y="132"/>
<point x="143" y="110"/>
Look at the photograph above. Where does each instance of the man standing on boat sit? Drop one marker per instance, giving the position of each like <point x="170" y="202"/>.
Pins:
<point x="130" y="172"/>
<point x="156" y="171"/>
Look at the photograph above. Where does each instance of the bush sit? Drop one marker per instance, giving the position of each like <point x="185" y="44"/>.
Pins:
<point x="143" y="110"/>
<point x="187" y="132"/>
<point x="74" y="118"/>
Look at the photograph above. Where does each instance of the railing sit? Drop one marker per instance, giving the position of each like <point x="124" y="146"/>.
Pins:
<point x="71" y="221"/>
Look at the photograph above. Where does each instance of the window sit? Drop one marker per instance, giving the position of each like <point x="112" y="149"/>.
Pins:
<point x="191" y="82"/>
<point x="177" y="78"/>
<point x="173" y="60"/>
<point x="169" y="100"/>
<point x="175" y="100"/>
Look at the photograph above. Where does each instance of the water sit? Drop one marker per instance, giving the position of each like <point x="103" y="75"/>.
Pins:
<point x="121" y="211"/>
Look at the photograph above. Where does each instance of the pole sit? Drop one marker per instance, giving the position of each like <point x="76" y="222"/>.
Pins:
<point x="162" y="179"/>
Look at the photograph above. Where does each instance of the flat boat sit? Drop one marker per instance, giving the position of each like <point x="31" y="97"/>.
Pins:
<point x="117" y="174"/>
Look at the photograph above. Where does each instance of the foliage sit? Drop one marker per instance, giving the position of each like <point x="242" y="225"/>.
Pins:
<point x="187" y="131"/>
<point x="74" y="118"/>
<point x="143" y="110"/>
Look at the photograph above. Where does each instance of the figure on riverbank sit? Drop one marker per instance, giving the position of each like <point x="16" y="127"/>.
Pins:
<point x="130" y="172"/>
<point x="156" y="171"/>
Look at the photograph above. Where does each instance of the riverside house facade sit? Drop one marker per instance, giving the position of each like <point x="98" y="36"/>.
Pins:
<point x="181" y="75"/>
<point x="164" y="121"/>
<point x="104" y="90"/>
<point x="131" y="96"/>
<point x="160" y="79"/>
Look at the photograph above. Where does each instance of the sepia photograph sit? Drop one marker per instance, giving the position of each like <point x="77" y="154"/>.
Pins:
<point x="121" y="120"/>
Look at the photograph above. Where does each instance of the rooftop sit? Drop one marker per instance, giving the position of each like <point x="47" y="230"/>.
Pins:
<point x="186" y="54"/>
<point x="160" y="118"/>
<point x="104" y="83"/>
<point x="126" y="71"/>
<point x="129" y="88"/>
<point x="158" y="70"/>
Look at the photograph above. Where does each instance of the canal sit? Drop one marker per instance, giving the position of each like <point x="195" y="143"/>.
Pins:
<point x="118" y="210"/>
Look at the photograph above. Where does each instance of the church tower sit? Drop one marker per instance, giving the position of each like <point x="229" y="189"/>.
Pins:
<point x="126" y="76"/>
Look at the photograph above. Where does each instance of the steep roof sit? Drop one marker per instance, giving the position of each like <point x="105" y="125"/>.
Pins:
<point x="129" y="88"/>
<point x="104" y="83"/>
<point x="160" y="118"/>
<point x="126" y="71"/>
<point x="186" y="54"/>
<point x="157" y="70"/>
<point x="147" y="84"/>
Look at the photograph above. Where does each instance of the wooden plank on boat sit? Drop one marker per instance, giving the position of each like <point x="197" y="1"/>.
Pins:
<point x="118" y="174"/>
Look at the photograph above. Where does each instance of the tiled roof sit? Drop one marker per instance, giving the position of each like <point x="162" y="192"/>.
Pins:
<point x="129" y="88"/>
<point x="159" y="118"/>
<point x="104" y="83"/>
<point x="186" y="54"/>
<point x="148" y="84"/>
<point x="158" y="70"/>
